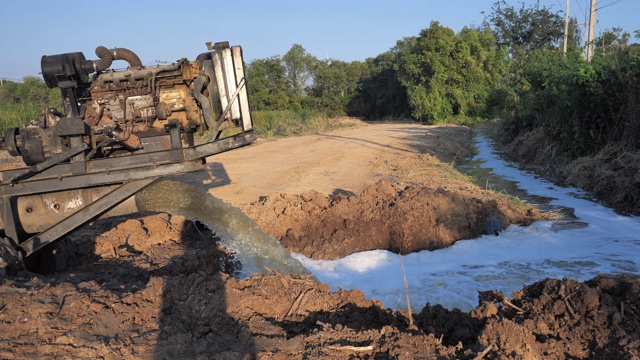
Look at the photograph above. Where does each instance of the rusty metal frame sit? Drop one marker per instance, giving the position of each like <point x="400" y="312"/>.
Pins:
<point x="167" y="152"/>
<point x="80" y="217"/>
<point x="132" y="172"/>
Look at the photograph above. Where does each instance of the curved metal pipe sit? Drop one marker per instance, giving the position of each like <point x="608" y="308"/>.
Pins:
<point x="127" y="55"/>
<point x="107" y="56"/>
<point x="199" y="85"/>
<point x="202" y="58"/>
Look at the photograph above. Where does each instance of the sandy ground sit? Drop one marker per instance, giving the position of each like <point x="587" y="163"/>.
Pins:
<point x="160" y="286"/>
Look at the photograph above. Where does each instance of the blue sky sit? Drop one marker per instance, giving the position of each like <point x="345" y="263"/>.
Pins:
<point x="167" y="31"/>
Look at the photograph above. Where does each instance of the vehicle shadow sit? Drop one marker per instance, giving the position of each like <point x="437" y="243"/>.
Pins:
<point x="193" y="322"/>
<point x="160" y="281"/>
<point x="165" y="289"/>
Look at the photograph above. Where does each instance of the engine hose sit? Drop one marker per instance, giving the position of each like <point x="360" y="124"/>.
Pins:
<point x="127" y="55"/>
<point x="107" y="56"/>
<point x="202" y="58"/>
<point x="198" y="87"/>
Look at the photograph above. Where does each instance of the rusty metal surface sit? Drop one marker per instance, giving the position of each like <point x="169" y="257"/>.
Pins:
<point x="131" y="126"/>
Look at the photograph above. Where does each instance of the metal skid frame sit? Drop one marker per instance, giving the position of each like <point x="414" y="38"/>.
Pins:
<point x="129" y="173"/>
<point x="115" y="178"/>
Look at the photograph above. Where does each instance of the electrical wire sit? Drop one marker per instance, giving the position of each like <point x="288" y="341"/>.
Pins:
<point x="613" y="2"/>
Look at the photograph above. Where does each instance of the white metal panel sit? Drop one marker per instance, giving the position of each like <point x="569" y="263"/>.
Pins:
<point x="230" y="78"/>
<point x="222" y="87"/>
<point x="243" y="99"/>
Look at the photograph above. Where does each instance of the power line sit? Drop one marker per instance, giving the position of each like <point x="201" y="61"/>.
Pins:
<point x="613" y="2"/>
<point x="582" y="11"/>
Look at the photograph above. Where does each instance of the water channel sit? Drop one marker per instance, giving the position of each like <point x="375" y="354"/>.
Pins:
<point x="592" y="239"/>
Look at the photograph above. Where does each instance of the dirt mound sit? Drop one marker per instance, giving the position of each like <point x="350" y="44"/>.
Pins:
<point x="386" y="216"/>
<point x="177" y="299"/>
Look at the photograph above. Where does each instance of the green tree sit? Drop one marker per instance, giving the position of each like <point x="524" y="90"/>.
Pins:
<point x="448" y="74"/>
<point x="267" y="84"/>
<point x="525" y="28"/>
<point x="299" y="66"/>
<point x="574" y="36"/>
<point x="612" y="40"/>
<point x="335" y="84"/>
<point x="9" y="92"/>
<point x="34" y="90"/>
<point x="31" y="91"/>
<point x="380" y="93"/>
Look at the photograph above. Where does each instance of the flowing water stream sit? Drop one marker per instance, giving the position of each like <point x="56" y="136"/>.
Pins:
<point x="592" y="239"/>
<point x="256" y="250"/>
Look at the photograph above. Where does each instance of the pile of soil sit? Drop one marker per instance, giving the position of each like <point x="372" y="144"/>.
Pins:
<point x="387" y="216"/>
<point x="160" y="286"/>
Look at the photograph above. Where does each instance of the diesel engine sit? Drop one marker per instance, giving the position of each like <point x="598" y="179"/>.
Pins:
<point x="119" y="131"/>
<point x="117" y="111"/>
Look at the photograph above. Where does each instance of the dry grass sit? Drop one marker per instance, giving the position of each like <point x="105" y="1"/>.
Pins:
<point x="612" y="175"/>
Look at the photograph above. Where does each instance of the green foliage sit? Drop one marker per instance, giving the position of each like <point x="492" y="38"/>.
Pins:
<point x="335" y="84"/>
<point x="449" y="75"/>
<point x="512" y="67"/>
<point x="380" y="94"/>
<point x="267" y="84"/>
<point x="22" y="102"/>
<point x="287" y="123"/>
<point x="435" y="77"/>
<point x="612" y="40"/>
<point x="299" y="81"/>
<point x="299" y="66"/>
<point x="526" y="28"/>
<point x="15" y="115"/>
<point x="582" y="106"/>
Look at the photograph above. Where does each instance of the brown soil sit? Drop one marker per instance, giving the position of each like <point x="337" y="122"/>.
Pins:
<point x="385" y="215"/>
<point x="159" y="285"/>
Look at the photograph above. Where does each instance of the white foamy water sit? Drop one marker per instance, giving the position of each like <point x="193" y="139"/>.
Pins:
<point x="597" y="241"/>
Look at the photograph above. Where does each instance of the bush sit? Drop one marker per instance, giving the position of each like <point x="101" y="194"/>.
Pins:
<point x="582" y="106"/>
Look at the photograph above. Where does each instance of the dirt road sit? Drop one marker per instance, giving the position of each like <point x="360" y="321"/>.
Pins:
<point x="159" y="286"/>
<point x="343" y="161"/>
<point x="300" y="189"/>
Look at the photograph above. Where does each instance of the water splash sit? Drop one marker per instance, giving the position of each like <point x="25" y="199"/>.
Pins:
<point x="256" y="250"/>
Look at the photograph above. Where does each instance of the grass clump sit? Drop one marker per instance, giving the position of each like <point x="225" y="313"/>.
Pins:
<point x="16" y="114"/>
<point x="284" y="123"/>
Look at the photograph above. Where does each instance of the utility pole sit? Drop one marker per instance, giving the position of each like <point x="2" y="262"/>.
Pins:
<point x="566" y="28"/>
<point x="592" y="30"/>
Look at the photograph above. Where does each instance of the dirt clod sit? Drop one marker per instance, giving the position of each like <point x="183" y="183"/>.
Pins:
<point x="159" y="286"/>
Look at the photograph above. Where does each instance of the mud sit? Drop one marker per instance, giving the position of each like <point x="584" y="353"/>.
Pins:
<point x="159" y="286"/>
<point x="386" y="215"/>
<point x="170" y="293"/>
